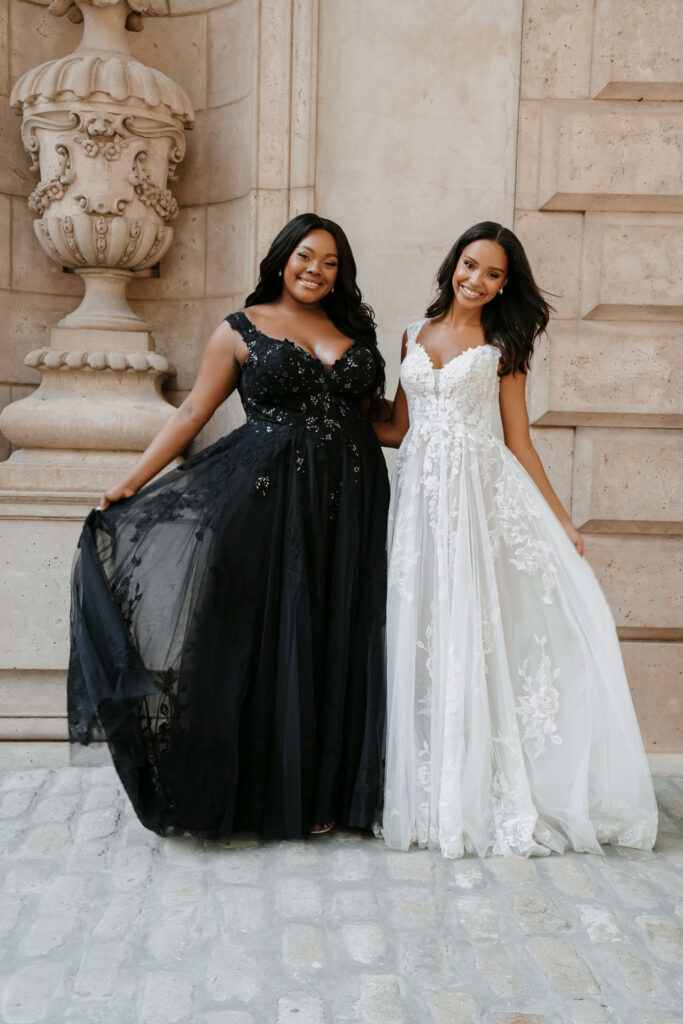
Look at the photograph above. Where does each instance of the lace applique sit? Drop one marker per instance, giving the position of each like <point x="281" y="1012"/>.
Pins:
<point x="423" y="761"/>
<point x="405" y="555"/>
<point x="490" y="620"/>
<point x="538" y="706"/>
<point x="307" y="393"/>
<point x="512" y="832"/>
<point x="511" y="523"/>
<point x="514" y="816"/>
<point x="325" y="401"/>
<point x="640" y="835"/>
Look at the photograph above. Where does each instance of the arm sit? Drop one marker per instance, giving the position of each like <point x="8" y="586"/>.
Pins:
<point x="515" y="419"/>
<point x="217" y="378"/>
<point x="390" y="432"/>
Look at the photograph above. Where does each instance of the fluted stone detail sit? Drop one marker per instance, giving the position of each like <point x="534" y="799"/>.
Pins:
<point x="80" y="76"/>
<point x="137" y="362"/>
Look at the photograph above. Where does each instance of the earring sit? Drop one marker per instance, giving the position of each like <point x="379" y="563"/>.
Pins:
<point x="500" y="292"/>
<point x="279" y="273"/>
<point x="332" y="290"/>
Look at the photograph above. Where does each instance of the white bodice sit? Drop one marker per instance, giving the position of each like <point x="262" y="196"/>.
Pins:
<point x="463" y="394"/>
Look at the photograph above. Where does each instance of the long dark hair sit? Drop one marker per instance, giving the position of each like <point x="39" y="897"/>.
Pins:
<point x="512" y="321"/>
<point x="344" y="306"/>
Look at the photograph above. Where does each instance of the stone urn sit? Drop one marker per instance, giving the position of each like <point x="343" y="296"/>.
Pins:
<point x="106" y="133"/>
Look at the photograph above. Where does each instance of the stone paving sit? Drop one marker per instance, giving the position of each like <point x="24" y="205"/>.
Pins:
<point x="103" y="922"/>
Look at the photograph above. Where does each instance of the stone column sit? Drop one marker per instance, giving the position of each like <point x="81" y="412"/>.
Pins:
<point x="106" y="132"/>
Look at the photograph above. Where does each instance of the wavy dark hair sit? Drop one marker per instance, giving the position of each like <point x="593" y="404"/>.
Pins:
<point x="511" y="321"/>
<point x="344" y="306"/>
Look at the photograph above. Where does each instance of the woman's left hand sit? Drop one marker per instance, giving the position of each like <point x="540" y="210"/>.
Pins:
<point x="574" y="536"/>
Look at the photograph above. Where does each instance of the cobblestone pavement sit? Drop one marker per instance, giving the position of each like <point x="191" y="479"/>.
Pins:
<point x="105" y="922"/>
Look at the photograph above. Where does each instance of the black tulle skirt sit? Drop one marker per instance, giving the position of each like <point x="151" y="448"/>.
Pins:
<point x="228" y="635"/>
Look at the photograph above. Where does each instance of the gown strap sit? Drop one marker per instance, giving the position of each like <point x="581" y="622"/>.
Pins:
<point x="241" y="323"/>
<point x="412" y="332"/>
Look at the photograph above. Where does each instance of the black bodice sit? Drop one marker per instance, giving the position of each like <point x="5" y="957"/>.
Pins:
<point x="282" y="383"/>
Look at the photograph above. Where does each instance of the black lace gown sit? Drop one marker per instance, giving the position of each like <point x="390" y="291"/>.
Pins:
<point x="227" y="623"/>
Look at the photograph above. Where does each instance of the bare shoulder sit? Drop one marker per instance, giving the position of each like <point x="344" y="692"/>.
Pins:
<point x="225" y="343"/>
<point x="224" y="336"/>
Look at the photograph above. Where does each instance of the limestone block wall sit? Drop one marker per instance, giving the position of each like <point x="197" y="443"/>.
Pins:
<point x="598" y="207"/>
<point x="417" y="114"/>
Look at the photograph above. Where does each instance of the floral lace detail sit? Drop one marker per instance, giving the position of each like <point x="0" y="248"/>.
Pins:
<point x="640" y="835"/>
<point x="423" y="760"/>
<point x="453" y="411"/>
<point x="489" y="624"/>
<point x="323" y="401"/>
<point x="513" y="832"/>
<point x="538" y="706"/>
<point x="307" y="393"/>
<point x="458" y="393"/>
<point x="404" y="555"/>
<point x="511" y="523"/>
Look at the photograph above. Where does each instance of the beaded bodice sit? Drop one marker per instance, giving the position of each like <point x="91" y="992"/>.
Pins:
<point x="282" y="383"/>
<point x="463" y="394"/>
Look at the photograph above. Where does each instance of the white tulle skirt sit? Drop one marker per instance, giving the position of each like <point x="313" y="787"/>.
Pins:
<point x="510" y="724"/>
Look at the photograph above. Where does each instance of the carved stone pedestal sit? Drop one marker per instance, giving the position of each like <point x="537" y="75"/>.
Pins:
<point x="106" y="132"/>
<point x="38" y="537"/>
<point x="94" y="412"/>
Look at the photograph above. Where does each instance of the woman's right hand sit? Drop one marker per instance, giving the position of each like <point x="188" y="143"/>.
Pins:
<point x="115" y="493"/>
<point x="574" y="535"/>
<point x="218" y="376"/>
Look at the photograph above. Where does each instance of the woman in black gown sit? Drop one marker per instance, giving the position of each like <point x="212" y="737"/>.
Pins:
<point x="227" y="621"/>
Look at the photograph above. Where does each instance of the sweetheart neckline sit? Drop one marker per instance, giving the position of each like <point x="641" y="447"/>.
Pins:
<point x="326" y="367"/>
<point x="439" y="369"/>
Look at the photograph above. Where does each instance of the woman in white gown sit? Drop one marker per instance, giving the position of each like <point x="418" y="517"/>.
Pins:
<point x="510" y="724"/>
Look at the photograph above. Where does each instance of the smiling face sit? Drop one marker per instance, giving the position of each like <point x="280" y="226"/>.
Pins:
<point x="311" y="270"/>
<point x="480" y="273"/>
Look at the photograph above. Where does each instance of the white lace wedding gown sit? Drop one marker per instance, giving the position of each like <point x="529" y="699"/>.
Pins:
<point x="510" y="724"/>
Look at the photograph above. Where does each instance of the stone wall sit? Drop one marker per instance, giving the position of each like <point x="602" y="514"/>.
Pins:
<point x="403" y="121"/>
<point x="416" y="139"/>
<point x="599" y="202"/>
